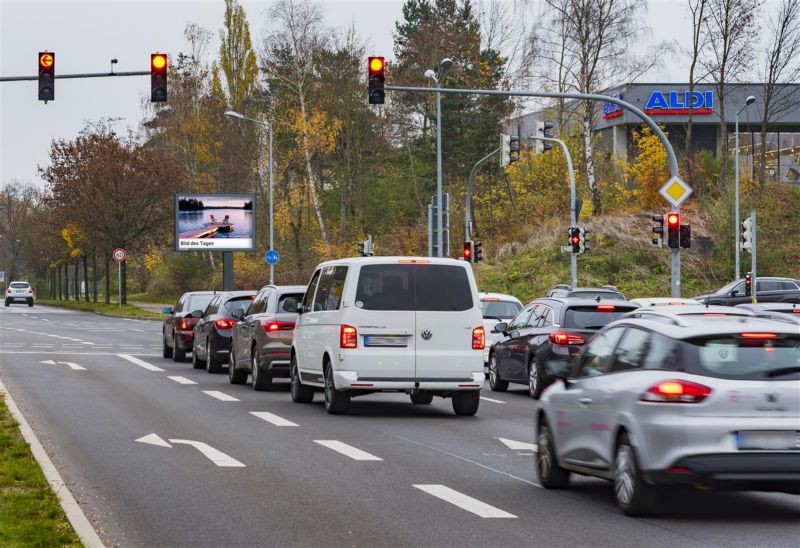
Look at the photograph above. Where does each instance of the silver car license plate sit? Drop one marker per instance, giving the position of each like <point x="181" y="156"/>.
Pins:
<point x="388" y="340"/>
<point x="768" y="439"/>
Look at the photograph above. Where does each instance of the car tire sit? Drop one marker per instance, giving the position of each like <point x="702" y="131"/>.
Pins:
<point x="235" y="376"/>
<point x="421" y="398"/>
<point x="337" y="402"/>
<point x="197" y="363"/>
<point x="213" y="364"/>
<point x="178" y="355"/>
<point x="465" y="404"/>
<point x="535" y="384"/>
<point x="551" y="475"/>
<point x="300" y="393"/>
<point x="261" y="379"/>
<point x="166" y="350"/>
<point x="633" y="496"/>
<point x="30" y="303"/>
<point x="495" y="382"/>
<point x="7" y="303"/>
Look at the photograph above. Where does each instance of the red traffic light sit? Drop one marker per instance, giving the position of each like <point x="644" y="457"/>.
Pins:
<point x="673" y="220"/>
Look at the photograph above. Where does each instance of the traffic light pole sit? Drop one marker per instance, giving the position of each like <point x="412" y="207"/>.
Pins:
<point x="440" y="209"/>
<point x="754" y="291"/>
<point x="468" y="205"/>
<point x="573" y="217"/>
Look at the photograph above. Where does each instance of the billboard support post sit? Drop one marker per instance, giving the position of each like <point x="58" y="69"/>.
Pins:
<point x="227" y="270"/>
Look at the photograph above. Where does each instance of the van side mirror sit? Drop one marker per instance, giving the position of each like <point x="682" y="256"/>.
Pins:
<point x="167" y="310"/>
<point x="197" y="314"/>
<point x="501" y="327"/>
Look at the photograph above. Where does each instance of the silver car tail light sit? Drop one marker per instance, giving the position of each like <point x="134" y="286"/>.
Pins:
<point x="676" y="391"/>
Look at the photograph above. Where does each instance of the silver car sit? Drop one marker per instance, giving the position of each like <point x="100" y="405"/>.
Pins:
<point x="677" y="400"/>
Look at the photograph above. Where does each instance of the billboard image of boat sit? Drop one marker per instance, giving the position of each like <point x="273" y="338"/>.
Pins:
<point x="215" y="222"/>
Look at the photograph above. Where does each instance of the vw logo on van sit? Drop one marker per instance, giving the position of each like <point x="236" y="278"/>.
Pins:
<point x="426" y="335"/>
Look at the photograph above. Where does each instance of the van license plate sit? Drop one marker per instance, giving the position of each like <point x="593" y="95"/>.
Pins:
<point x="371" y="340"/>
<point x="768" y="439"/>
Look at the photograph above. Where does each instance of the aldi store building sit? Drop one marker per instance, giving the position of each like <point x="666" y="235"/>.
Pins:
<point x="668" y="105"/>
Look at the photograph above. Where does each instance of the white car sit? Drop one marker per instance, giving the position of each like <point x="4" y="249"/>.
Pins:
<point x="19" y="292"/>
<point x="496" y="308"/>
<point x="390" y="324"/>
<point x="663" y="301"/>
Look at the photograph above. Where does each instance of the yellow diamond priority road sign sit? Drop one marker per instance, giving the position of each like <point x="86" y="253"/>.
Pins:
<point x="675" y="191"/>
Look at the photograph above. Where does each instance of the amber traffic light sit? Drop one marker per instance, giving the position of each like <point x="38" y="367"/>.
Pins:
<point x="47" y="76"/>
<point x="158" y="77"/>
<point x="673" y="230"/>
<point x="376" y="80"/>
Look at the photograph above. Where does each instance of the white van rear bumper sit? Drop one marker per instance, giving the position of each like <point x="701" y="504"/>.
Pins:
<point x="349" y="380"/>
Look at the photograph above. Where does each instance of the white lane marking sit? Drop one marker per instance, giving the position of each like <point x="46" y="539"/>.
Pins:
<point x="273" y="419"/>
<point x="48" y="362"/>
<point x="491" y="400"/>
<point x="519" y="445"/>
<point x="181" y="380"/>
<point x="140" y="363"/>
<point x="221" y="396"/>
<point x="214" y="455"/>
<point x="347" y="450"/>
<point x="74" y="366"/>
<point x="464" y="502"/>
<point x="154" y="439"/>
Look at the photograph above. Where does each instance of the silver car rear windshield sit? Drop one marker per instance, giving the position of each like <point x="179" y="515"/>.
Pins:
<point x="420" y="287"/>
<point x="756" y="356"/>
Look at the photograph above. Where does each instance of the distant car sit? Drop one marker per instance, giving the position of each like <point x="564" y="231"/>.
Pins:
<point x="261" y="341"/>
<point x="546" y="329"/>
<point x="605" y="292"/>
<point x="768" y="290"/>
<point x="670" y="312"/>
<point x="663" y="301"/>
<point x="212" y="334"/>
<point x="19" y="292"/>
<point x="775" y="311"/>
<point x="667" y="400"/>
<point x="177" y="332"/>
<point x="496" y="308"/>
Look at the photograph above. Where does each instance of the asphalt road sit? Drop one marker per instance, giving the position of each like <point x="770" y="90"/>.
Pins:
<point x="387" y="474"/>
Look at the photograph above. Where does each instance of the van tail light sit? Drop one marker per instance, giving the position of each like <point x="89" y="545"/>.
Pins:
<point x="348" y="337"/>
<point x="676" y="391"/>
<point x="478" y="338"/>
<point x="563" y="338"/>
<point x="274" y="327"/>
<point x="225" y="323"/>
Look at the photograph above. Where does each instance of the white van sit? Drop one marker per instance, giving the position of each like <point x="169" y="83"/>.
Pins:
<point x="390" y="324"/>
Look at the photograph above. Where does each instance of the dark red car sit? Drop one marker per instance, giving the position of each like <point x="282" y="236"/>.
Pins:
<point x="178" y="330"/>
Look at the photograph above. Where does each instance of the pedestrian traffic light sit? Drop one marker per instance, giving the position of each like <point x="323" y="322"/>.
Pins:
<point x="542" y="129"/>
<point x="658" y="231"/>
<point x="468" y="253"/>
<point x="158" y="77"/>
<point x="584" y="240"/>
<point x="376" y="80"/>
<point x="47" y="76"/>
<point x="477" y="251"/>
<point x="673" y="230"/>
<point x="747" y="235"/>
<point x="574" y="239"/>
<point x="686" y="236"/>
<point x="748" y="284"/>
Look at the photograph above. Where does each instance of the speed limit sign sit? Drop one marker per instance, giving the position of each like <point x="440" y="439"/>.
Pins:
<point x="119" y="254"/>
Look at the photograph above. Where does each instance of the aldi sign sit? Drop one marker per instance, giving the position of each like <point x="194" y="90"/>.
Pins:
<point x="679" y="102"/>
<point x="612" y="110"/>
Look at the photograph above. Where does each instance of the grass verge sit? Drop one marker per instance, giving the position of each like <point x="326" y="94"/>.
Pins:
<point x="166" y="300"/>
<point x="30" y="514"/>
<point x="128" y="310"/>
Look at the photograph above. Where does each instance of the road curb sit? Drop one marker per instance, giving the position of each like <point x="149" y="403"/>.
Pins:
<point x="83" y="528"/>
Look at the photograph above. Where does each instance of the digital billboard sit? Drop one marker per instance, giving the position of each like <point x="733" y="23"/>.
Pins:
<point x="215" y="222"/>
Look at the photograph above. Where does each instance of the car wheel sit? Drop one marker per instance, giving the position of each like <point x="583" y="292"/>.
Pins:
<point x="535" y="384"/>
<point x="421" y="398"/>
<point x="197" y="363"/>
<point x="336" y="401"/>
<point x="465" y="404"/>
<point x="495" y="382"/>
<point x="178" y="355"/>
<point x="166" y="350"/>
<point x="235" y="376"/>
<point x="300" y="393"/>
<point x="7" y="303"/>
<point x="261" y="379"/>
<point x="213" y="364"/>
<point x="632" y="494"/>
<point x="30" y="303"/>
<point x="551" y="475"/>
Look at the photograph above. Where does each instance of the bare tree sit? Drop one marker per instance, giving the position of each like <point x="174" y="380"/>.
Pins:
<point x="781" y="64"/>
<point x="17" y="202"/>
<point x="697" y="9"/>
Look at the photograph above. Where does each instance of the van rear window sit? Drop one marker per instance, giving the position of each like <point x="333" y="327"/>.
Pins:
<point x="423" y="287"/>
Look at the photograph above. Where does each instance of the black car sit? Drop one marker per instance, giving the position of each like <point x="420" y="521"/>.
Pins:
<point x="212" y="334"/>
<point x="177" y="333"/>
<point x="546" y="330"/>
<point x="768" y="290"/>
<point x="605" y="292"/>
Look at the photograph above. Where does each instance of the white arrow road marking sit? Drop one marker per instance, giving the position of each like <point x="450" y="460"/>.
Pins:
<point x="182" y="380"/>
<point x="214" y="455"/>
<point x="153" y="439"/>
<point x="491" y="400"/>
<point x="73" y="366"/>
<point x="347" y="450"/>
<point x="48" y="362"/>
<point x="519" y="445"/>
<point x="465" y="502"/>
<point x="140" y="363"/>
<point x="272" y="419"/>
<point x="221" y="396"/>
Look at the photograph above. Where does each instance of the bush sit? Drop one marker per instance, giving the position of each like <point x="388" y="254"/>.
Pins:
<point x="180" y="272"/>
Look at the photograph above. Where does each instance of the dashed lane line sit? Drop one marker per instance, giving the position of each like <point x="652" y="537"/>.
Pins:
<point x="181" y="380"/>
<point x="463" y="501"/>
<point x="141" y="363"/>
<point x="273" y="419"/>
<point x="491" y="400"/>
<point x="347" y="450"/>
<point x="221" y="396"/>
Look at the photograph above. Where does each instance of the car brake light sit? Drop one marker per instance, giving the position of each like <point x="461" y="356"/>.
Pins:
<point x="676" y="391"/>
<point x="413" y="261"/>
<point x="478" y="338"/>
<point x="348" y="337"/>
<point x="225" y="323"/>
<point x="184" y="325"/>
<point x="30" y="290"/>
<point x="759" y="335"/>
<point x="272" y="327"/>
<point x="562" y="338"/>
<point x="490" y="299"/>
<point x="606" y="308"/>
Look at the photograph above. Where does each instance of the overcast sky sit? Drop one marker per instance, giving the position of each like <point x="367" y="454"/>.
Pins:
<point x="86" y="35"/>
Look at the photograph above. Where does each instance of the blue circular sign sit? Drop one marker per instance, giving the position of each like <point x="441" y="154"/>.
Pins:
<point x="272" y="257"/>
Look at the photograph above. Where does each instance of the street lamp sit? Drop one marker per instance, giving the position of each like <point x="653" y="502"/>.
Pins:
<point x="445" y="64"/>
<point x="234" y="114"/>
<point x="749" y="101"/>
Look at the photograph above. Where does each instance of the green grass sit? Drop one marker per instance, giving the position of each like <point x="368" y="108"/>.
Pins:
<point x="128" y="310"/>
<point x="30" y="514"/>
<point x="166" y="300"/>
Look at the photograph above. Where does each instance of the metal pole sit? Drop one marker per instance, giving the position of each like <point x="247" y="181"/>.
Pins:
<point x="227" y="270"/>
<point x="271" y="217"/>
<point x="119" y="283"/>
<point x="468" y="205"/>
<point x="753" y="259"/>
<point x="573" y="218"/>
<point x="736" y="207"/>
<point x="439" y="236"/>
<point x="85" y="75"/>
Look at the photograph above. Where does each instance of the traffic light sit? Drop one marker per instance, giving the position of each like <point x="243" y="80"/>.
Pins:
<point x="505" y="150"/>
<point x="376" y="66"/>
<point x="158" y="77"/>
<point x="747" y="235"/>
<point x="542" y="129"/>
<point x="748" y="284"/>
<point x="658" y="230"/>
<point x="47" y="76"/>
<point x="584" y="240"/>
<point x="686" y="236"/>
<point x="513" y="147"/>
<point x="365" y="248"/>
<point x="574" y="240"/>
<point x="673" y="230"/>
<point x="477" y="251"/>
<point x="469" y="251"/>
